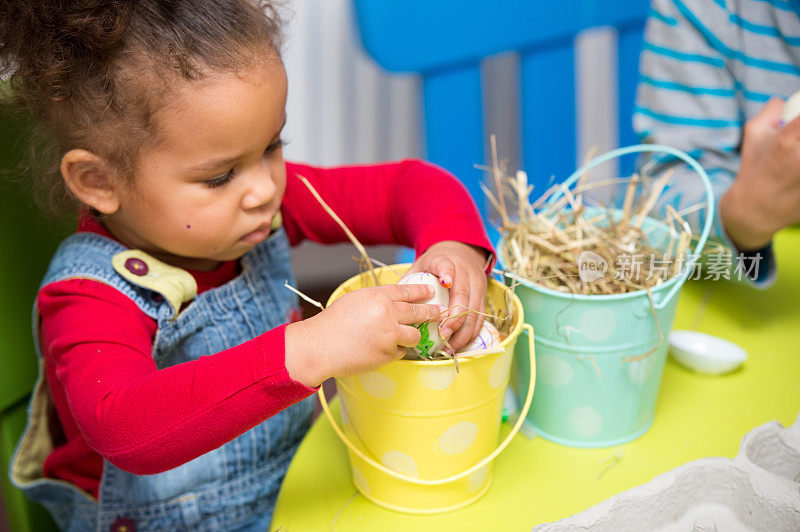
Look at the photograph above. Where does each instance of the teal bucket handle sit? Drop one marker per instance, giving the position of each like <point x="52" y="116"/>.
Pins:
<point x="657" y="148"/>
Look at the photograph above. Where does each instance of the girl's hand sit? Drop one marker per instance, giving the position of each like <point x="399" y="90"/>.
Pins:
<point x="765" y="197"/>
<point x="460" y="268"/>
<point x="359" y="332"/>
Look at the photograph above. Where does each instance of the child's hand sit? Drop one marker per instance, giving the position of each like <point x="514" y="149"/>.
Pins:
<point x="361" y="331"/>
<point x="460" y="268"/>
<point x="765" y="196"/>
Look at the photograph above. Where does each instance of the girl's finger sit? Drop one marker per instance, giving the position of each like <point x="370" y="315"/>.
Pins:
<point x="474" y="320"/>
<point x="445" y="270"/>
<point x="461" y="327"/>
<point x="408" y="336"/>
<point x="478" y="301"/>
<point x="414" y="313"/>
<point x="459" y="300"/>
<point x="463" y="335"/>
<point x="408" y="293"/>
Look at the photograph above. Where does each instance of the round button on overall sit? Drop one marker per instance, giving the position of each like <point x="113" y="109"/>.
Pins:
<point x="123" y="524"/>
<point x="136" y="266"/>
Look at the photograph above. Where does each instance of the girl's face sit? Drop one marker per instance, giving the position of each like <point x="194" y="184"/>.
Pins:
<point x="209" y="189"/>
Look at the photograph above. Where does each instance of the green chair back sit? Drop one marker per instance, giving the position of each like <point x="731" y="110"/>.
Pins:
<point x="27" y="241"/>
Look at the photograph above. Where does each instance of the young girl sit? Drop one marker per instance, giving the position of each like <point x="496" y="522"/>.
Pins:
<point x="173" y="393"/>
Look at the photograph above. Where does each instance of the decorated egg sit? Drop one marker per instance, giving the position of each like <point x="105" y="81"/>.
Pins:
<point x="791" y="109"/>
<point x="431" y="341"/>
<point x="488" y="337"/>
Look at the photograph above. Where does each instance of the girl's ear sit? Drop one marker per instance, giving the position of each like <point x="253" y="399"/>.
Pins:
<point x="91" y="179"/>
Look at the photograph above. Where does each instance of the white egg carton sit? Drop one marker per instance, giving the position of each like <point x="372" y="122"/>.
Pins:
<point x="757" y="490"/>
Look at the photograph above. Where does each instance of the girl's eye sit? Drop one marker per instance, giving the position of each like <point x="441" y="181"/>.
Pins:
<point x="275" y="146"/>
<point x="219" y="181"/>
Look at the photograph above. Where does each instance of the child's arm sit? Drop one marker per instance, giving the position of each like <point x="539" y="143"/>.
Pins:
<point x="765" y="197"/>
<point x="97" y="349"/>
<point x="411" y="203"/>
<point x="682" y="56"/>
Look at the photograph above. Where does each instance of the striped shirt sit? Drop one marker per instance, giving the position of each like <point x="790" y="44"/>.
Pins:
<point x="707" y="66"/>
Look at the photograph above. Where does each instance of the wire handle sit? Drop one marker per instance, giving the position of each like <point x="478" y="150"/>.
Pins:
<point x="529" y="330"/>
<point x="657" y="148"/>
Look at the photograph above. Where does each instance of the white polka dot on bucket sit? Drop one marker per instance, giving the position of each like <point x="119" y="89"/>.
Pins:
<point x="553" y="371"/>
<point x="400" y="462"/>
<point x="477" y="480"/>
<point x="585" y="422"/>
<point x="377" y="384"/>
<point x="645" y="417"/>
<point x="437" y="377"/>
<point x="499" y="372"/>
<point x="457" y="438"/>
<point x="360" y="480"/>
<point x="639" y="371"/>
<point x="598" y="324"/>
<point x="533" y="304"/>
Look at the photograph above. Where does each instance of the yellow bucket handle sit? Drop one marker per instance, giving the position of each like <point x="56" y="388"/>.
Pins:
<point x="482" y="463"/>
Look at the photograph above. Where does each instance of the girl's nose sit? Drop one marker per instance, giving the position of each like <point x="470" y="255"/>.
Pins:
<point x="260" y="190"/>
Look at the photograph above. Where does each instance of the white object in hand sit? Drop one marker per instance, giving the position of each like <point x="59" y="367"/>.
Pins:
<point x="431" y="341"/>
<point x="705" y="353"/>
<point x="487" y="338"/>
<point x="791" y="109"/>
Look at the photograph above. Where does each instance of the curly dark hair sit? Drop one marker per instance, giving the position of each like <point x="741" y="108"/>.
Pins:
<point x="93" y="72"/>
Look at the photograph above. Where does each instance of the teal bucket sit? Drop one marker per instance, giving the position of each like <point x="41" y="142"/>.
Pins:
<point x="591" y="389"/>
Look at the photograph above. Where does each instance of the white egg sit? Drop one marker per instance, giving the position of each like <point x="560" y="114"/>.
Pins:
<point x="431" y="341"/>
<point x="488" y="337"/>
<point x="791" y="109"/>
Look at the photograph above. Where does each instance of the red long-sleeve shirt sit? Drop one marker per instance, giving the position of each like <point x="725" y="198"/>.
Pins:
<point x="111" y="400"/>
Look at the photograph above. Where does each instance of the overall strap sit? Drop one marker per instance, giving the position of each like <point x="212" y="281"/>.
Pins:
<point x="158" y="289"/>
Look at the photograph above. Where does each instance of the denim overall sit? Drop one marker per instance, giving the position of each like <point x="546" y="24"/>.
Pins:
<point x="230" y="488"/>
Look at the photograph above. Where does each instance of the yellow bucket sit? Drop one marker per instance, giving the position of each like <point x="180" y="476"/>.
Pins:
<point x="421" y="437"/>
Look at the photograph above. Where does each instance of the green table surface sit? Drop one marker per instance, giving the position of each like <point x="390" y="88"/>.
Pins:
<point x="538" y="481"/>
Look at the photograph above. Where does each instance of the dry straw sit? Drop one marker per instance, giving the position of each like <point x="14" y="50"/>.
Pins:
<point x="543" y="241"/>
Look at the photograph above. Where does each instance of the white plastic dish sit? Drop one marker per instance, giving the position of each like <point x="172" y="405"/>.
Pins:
<point x="705" y="353"/>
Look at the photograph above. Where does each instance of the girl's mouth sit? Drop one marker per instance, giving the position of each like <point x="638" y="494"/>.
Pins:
<point x="254" y="237"/>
